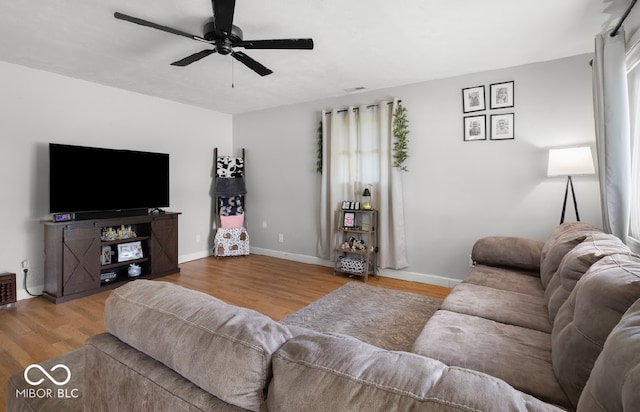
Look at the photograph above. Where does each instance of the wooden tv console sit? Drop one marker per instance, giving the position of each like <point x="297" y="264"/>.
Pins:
<point x="79" y="261"/>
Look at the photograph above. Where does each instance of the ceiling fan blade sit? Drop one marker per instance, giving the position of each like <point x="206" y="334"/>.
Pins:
<point x="141" y="22"/>
<point x="298" y="44"/>
<point x="193" y="58"/>
<point x="250" y="63"/>
<point x="223" y="16"/>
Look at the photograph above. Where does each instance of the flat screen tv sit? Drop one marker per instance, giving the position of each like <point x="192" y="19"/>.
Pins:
<point x="91" y="179"/>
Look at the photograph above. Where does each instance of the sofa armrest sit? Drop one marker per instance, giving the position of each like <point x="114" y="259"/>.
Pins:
<point x="225" y="350"/>
<point x="507" y="251"/>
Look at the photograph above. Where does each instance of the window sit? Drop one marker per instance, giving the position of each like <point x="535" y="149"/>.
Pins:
<point x="633" y="74"/>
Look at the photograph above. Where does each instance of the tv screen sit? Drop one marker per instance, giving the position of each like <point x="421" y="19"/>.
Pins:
<point x="85" y="179"/>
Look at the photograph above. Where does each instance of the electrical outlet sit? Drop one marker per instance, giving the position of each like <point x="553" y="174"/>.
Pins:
<point x="280" y="237"/>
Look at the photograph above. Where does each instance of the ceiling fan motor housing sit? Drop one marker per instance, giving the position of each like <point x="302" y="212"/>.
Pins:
<point x="224" y="45"/>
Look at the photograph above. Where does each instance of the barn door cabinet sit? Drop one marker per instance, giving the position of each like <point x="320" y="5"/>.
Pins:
<point x="80" y="260"/>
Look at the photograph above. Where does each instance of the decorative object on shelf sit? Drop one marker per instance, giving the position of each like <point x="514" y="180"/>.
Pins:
<point x="319" y="149"/>
<point x="366" y="199"/>
<point x="350" y="205"/>
<point x="475" y="128"/>
<point x="105" y="255"/>
<point x="501" y="95"/>
<point x="473" y="99"/>
<point x="108" y="233"/>
<point x="502" y="126"/>
<point x="349" y="220"/>
<point x="124" y="232"/>
<point x="106" y="277"/>
<point x="570" y="162"/>
<point x="356" y="245"/>
<point x="352" y="264"/>
<point x="134" y="270"/>
<point x="129" y="251"/>
<point x="401" y="143"/>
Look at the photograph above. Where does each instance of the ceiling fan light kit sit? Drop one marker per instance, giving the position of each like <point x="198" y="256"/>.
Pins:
<point x="224" y="36"/>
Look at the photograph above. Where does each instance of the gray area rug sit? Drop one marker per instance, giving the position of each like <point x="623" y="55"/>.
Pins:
<point x="382" y="317"/>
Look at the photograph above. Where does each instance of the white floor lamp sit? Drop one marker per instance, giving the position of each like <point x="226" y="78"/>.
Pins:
<point x="570" y="162"/>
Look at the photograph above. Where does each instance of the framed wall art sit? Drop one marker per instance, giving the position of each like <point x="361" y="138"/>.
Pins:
<point x="501" y="95"/>
<point x="475" y="128"/>
<point x="473" y="99"/>
<point x="502" y="126"/>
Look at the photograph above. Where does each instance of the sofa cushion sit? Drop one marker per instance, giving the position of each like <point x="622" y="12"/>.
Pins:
<point x="584" y="321"/>
<point x="575" y="263"/>
<point x="505" y="251"/>
<point x="563" y="238"/>
<point x="198" y="336"/>
<point x="519" y="281"/>
<point x="324" y="372"/>
<point x="519" y="356"/>
<point x="615" y="378"/>
<point x="504" y="306"/>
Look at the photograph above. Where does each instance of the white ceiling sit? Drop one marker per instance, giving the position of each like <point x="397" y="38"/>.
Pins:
<point x="370" y="43"/>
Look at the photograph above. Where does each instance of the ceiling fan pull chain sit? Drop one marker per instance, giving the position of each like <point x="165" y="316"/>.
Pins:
<point x="233" y="85"/>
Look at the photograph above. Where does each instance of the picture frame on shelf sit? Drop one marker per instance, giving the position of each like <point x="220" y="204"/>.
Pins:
<point x="130" y="251"/>
<point x="473" y="99"/>
<point x="474" y="128"/>
<point x="349" y="220"/>
<point x="501" y="95"/>
<point x="503" y="126"/>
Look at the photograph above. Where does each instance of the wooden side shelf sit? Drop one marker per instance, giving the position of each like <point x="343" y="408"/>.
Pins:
<point x="358" y="243"/>
<point x="78" y="262"/>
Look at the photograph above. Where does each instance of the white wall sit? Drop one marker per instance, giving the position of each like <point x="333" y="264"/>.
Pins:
<point x="455" y="191"/>
<point x="38" y="107"/>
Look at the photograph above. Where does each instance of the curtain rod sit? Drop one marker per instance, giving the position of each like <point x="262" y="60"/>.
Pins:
<point x="356" y="109"/>
<point x="624" y="16"/>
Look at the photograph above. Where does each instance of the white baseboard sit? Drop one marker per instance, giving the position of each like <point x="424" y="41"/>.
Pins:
<point x="194" y="256"/>
<point x="22" y="294"/>
<point x="390" y="273"/>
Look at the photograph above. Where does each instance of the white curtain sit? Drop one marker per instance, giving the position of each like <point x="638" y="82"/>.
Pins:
<point x="611" y="106"/>
<point x="357" y="152"/>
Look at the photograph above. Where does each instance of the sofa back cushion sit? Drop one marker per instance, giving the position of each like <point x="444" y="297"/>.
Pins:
<point x="596" y="305"/>
<point x="575" y="263"/>
<point x="615" y="379"/>
<point x="563" y="238"/>
<point x="225" y="350"/>
<point x="331" y="372"/>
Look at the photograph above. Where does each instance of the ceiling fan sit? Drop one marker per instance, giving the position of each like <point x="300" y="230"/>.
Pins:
<point x="224" y="36"/>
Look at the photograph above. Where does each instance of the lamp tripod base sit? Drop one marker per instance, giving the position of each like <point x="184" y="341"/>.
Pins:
<point x="564" y="204"/>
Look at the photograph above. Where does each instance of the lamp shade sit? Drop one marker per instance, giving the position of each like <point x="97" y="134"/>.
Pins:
<point x="570" y="162"/>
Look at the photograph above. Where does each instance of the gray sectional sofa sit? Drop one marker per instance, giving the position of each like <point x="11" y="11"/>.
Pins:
<point x="534" y="327"/>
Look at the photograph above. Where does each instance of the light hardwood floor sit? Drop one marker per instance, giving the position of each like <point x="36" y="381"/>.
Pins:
<point x="34" y="330"/>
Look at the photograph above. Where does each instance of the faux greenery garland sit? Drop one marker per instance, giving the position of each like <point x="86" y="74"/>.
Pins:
<point x="400" y="132"/>
<point x="319" y="149"/>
